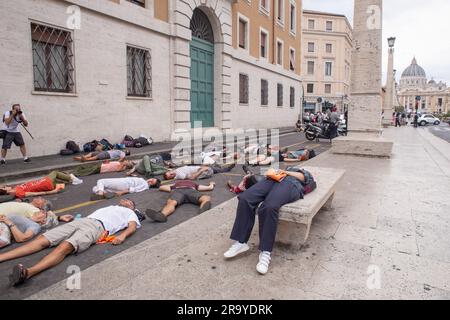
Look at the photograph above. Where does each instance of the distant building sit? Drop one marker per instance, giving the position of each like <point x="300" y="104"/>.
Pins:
<point x="432" y="96"/>
<point x="326" y="66"/>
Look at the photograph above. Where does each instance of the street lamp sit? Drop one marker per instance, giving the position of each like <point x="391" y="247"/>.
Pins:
<point x="391" y="42"/>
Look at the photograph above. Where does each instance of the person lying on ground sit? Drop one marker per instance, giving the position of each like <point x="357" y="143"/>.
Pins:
<point x="20" y="221"/>
<point x="74" y="237"/>
<point x="197" y="172"/>
<point x="181" y="192"/>
<point x="270" y="194"/>
<point x="50" y="184"/>
<point x="110" y="188"/>
<point x="271" y="154"/>
<point x="247" y="181"/>
<point x="105" y="167"/>
<point x="148" y="168"/>
<point x="104" y="155"/>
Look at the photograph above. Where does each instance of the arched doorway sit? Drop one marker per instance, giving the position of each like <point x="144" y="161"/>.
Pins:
<point x="202" y="70"/>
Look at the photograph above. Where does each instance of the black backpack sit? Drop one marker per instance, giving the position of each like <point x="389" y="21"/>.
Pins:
<point x="72" y="146"/>
<point x="106" y="145"/>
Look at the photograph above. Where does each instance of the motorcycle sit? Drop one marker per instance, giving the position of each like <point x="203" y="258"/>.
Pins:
<point x="318" y="131"/>
<point x="342" y="130"/>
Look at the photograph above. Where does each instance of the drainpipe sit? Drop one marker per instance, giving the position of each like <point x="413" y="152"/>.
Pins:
<point x="273" y="33"/>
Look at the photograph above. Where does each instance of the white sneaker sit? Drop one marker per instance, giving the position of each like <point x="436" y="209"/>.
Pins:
<point x="264" y="260"/>
<point x="236" y="248"/>
<point x="75" y="180"/>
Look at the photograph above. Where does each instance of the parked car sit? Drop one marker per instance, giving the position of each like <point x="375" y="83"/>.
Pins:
<point x="428" y="119"/>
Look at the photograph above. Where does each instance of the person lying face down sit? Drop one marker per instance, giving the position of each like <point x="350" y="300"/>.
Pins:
<point x="50" y="184"/>
<point x="109" y="188"/>
<point x="75" y="237"/>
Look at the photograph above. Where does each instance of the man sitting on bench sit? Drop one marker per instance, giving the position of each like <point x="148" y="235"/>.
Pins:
<point x="181" y="192"/>
<point x="272" y="193"/>
<point x="74" y="237"/>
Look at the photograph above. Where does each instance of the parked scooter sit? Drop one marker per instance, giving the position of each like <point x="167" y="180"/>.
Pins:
<point x="315" y="131"/>
<point x="342" y="129"/>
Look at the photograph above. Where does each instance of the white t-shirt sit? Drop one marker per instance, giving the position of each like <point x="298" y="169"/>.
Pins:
<point x="115" y="218"/>
<point x="131" y="184"/>
<point x="184" y="172"/>
<point x="14" y="125"/>
<point x="116" y="154"/>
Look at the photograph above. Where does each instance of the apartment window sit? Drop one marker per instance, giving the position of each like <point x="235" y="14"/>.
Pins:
<point x="310" y="88"/>
<point x="293" y="17"/>
<point x="264" y="43"/>
<point x="328" y="88"/>
<point x="328" y="67"/>
<point x="329" y="26"/>
<point x="53" y="65"/>
<point x="243" y="32"/>
<point x="279" y="95"/>
<point x="264" y="5"/>
<point x="138" y="2"/>
<point x="311" y="24"/>
<point x="264" y="92"/>
<point x="139" y="72"/>
<point x="280" y="11"/>
<point x="243" y="88"/>
<point x="329" y="48"/>
<point x="291" y="59"/>
<point x="279" y="52"/>
<point x="310" y="67"/>
<point x="311" y="47"/>
<point x="292" y="97"/>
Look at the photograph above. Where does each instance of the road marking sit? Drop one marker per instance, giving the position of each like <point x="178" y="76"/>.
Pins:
<point x="77" y="206"/>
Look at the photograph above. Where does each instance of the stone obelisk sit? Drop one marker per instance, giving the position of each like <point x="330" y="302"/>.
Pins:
<point x="364" y="114"/>
<point x="390" y="87"/>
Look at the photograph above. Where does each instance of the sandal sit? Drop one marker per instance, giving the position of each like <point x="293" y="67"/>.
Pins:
<point x="19" y="275"/>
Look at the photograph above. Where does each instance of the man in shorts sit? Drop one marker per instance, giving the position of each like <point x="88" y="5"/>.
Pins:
<point x="11" y="121"/>
<point x="181" y="192"/>
<point x="104" y="155"/>
<point x="75" y="237"/>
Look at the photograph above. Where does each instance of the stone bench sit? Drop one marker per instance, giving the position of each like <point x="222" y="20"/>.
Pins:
<point x="295" y="218"/>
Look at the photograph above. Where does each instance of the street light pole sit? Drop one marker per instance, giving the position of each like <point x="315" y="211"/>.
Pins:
<point x="389" y="97"/>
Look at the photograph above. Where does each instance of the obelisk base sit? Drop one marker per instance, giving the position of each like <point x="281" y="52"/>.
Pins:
<point x="363" y="144"/>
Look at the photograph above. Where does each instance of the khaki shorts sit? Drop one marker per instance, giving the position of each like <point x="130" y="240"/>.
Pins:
<point x="81" y="234"/>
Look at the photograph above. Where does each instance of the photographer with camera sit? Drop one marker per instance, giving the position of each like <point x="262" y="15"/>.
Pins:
<point x="11" y="133"/>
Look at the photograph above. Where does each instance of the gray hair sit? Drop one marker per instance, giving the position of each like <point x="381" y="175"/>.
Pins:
<point x="48" y="206"/>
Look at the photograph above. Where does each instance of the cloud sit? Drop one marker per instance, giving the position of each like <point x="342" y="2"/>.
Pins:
<point x="422" y="29"/>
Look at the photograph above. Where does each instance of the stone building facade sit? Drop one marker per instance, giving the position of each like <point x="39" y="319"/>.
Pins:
<point x="432" y="96"/>
<point x="326" y="65"/>
<point x="85" y="69"/>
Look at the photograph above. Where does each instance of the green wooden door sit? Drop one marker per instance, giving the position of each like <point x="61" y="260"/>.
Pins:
<point x="202" y="82"/>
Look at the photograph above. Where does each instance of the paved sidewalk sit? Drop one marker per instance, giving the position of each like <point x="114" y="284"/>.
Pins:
<point x="17" y="169"/>
<point x="391" y="216"/>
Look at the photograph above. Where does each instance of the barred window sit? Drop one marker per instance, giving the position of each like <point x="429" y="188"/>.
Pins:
<point x="292" y="97"/>
<point x="138" y="2"/>
<point x="279" y="95"/>
<point x="264" y="92"/>
<point x="243" y="88"/>
<point x="53" y="67"/>
<point x="139" y="72"/>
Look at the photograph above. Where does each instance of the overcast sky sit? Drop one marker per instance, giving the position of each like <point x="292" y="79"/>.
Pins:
<point x="422" y="29"/>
